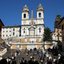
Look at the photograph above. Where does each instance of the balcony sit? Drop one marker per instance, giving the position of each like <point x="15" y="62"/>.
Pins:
<point x="31" y="36"/>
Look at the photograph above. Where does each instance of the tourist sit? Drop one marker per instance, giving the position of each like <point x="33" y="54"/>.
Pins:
<point x="3" y="61"/>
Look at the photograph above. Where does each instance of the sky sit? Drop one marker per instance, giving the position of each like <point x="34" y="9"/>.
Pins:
<point x="11" y="10"/>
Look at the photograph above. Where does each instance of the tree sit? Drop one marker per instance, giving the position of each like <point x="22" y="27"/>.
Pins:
<point x="59" y="44"/>
<point x="47" y="34"/>
<point x="58" y="16"/>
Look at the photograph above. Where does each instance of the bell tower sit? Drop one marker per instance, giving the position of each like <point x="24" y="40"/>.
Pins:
<point x="40" y="14"/>
<point x="25" y="15"/>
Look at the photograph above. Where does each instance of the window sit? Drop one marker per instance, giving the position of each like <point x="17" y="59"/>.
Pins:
<point x="39" y="14"/>
<point x="3" y="35"/>
<point x="32" y="41"/>
<point x="24" y="15"/>
<point x="13" y="29"/>
<point x="6" y="31"/>
<point x="24" y="30"/>
<point x="13" y="33"/>
<point x="10" y="35"/>
<point x="39" y="29"/>
<point x="6" y="35"/>
<point x="10" y="31"/>
<point x="3" y="31"/>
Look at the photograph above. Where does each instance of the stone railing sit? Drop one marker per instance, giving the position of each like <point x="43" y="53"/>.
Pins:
<point x="19" y="43"/>
<point x="33" y="36"/>
<point x="3" y="52"/>
<point x="30" y="36"/>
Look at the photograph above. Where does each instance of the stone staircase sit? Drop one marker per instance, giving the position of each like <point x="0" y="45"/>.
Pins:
<point x="21" y="55"/>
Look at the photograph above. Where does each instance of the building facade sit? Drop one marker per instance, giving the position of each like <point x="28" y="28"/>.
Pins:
<point x="58" y="33"/>
<point x="27" y="35"/>
<point x="62" y="27"/>
<point x="1" y="25"/>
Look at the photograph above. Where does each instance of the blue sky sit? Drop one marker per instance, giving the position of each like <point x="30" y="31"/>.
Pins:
<point x="10" y="10"/>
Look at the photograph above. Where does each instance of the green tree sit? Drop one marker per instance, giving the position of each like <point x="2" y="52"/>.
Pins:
<point x="47" y="34"/>
<point x="58" y="16"/>
<point x="59" y="45"/>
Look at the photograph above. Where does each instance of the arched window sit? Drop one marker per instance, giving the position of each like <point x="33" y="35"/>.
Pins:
<point x="13" y="29"/>
<point x="24" y="15"/>
<point x="39" y="29"/>
<point x="39" y="14"/>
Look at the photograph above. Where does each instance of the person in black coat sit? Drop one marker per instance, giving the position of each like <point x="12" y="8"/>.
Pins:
<point x="3" y="61"/>
<point x="13" y="61"/>
<point x="21" y="62"/>
<point x="8" y="60"/>
<point x="25" y="62"/>
<point x="55" y="61"/>
<point x="49" y="61"/>
<point x="31" y="60"/>
<point x="41" y="61"/>
<point x="35" y="62"/>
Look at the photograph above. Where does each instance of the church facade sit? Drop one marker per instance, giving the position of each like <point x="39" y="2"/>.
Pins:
<point x="27" y="35"/>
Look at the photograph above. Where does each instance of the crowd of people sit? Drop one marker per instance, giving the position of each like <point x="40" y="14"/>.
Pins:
<point x="33" y="57"/>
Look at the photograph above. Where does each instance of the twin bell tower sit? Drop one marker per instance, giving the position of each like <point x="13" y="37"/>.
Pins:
<point x="26" y="20"/>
